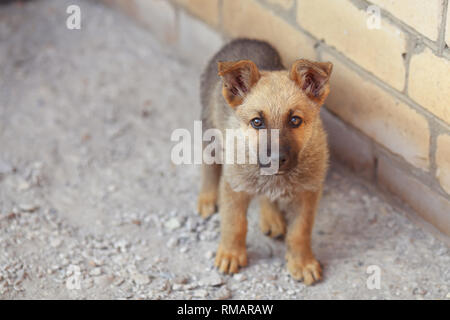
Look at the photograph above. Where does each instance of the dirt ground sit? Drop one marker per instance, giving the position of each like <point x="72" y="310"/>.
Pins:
<point x="92" y="207"/>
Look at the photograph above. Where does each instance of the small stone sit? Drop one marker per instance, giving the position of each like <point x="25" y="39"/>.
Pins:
<point x="23" y="186"/>
<point x="172" y="243"/>
<point x="201" y="293"/>
<point x="172" y="224"/>
<point x="209" y="254"/>
<point x="184" y="249"/>
<point x="140" y="279"/>
<point x="87" y="283"/>
<point x="96" y="272"/>
<point x="122" y="245"/>
<point x="181" y="280"/>
<point x="272" y="277"/>
<point x="213" y="280"/>
<point x="103" y="280"/>
<point x="448" y="295"/>
<point x="290" y="292"/>
<point x="28" y="207"/>
<point x="223" y="294"/>
<point x="176" y="287"/>
<point x="190" y="286"/>
<point x="118" y="282"/>
<point x="55" y="242"/>
<point x="239" y="277"/>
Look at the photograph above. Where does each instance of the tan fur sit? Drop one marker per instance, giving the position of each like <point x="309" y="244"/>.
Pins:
<point x="244" y="93"/>
<point x="271" y="221"/>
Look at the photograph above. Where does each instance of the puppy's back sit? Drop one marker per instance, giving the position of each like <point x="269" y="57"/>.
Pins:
<point x="261" y="53"/>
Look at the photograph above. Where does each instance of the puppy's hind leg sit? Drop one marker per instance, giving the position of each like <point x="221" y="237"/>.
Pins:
<point x="271" y="220"/>
<point x="209" y="190"/>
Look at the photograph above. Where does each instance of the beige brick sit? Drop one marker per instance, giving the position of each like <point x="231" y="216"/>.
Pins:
<point x="381" y="116"/>
<point x="429" y="83"/>
<point x="348" y="145"/>
<point x="427" y="203"/>
<point x="443" y="161"/>
<point x="285" y="4"/>
<point x="423" y="16"/>
<point x="207" y="10"/>
<point x="344" y="26"/>
<point x="250" y="19"/>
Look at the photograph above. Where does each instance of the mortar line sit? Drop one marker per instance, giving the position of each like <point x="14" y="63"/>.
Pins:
<point x="442" y="27"/>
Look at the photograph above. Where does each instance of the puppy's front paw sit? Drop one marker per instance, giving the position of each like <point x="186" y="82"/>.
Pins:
<point x="308" y="270"/>
<point x="229" y="260"/>
<point x="207" y="204"/>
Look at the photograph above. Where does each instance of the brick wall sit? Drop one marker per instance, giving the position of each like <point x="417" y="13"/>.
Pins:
<point x="388" y="114"/>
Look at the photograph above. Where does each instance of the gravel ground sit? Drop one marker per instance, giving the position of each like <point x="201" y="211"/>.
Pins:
<point x="92" y="207"/>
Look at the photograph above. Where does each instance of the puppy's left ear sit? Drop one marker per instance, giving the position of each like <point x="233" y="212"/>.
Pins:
<point x="238" y="78"/>
<point x="313" y="78"/>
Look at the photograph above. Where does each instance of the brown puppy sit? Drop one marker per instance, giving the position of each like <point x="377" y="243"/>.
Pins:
<point x="254" y="92"/>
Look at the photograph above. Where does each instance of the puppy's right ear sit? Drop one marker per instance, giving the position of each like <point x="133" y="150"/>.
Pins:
<point x="238" y="79"/>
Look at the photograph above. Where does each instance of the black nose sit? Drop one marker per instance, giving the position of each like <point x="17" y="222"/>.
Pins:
<point x="283" y="160"/>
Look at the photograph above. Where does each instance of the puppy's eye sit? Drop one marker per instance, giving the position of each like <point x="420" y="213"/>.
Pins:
<point x="257" y="123"/>
<point x="295" y="121"/>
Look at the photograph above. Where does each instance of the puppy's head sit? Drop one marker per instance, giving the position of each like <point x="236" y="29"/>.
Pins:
<point x="285" y="100"/>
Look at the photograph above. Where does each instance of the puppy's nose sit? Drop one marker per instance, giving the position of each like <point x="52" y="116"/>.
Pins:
<point x="283" y="160"/>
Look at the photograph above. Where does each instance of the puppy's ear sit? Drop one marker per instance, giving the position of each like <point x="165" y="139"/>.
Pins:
<point x="238" y="79"/>
<point x="312" y="78"/>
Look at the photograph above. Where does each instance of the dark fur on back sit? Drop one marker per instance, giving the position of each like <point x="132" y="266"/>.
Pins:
<point x="261" y="53"/>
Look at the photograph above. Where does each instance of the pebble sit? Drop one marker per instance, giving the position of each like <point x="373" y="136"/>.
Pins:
<point x="118" y="282"/>
<point x="87" y="283"/>
<point x="176" y="287"/>
<point x="28" y="207"/>
<point x="209" y="254"/>
<point x="103" y="280"/>
<point x="201" y="293"/>
<point x="223" y="294"/>
<point x="184" y="249"/>
<point x="181" y="280"/>
<point x="172" y="224"/>
<point x="172" y="243"/>
<point x="55" y="242"/>
<point x="140" y="279"/>
<point x="213" y="280"/>
<point x="23" y="186"/>
<point x="239" y="277"/>
<point x="96" y="272"/>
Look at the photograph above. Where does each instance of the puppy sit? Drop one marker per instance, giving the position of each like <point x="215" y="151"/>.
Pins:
<point x="245" y="87"/>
